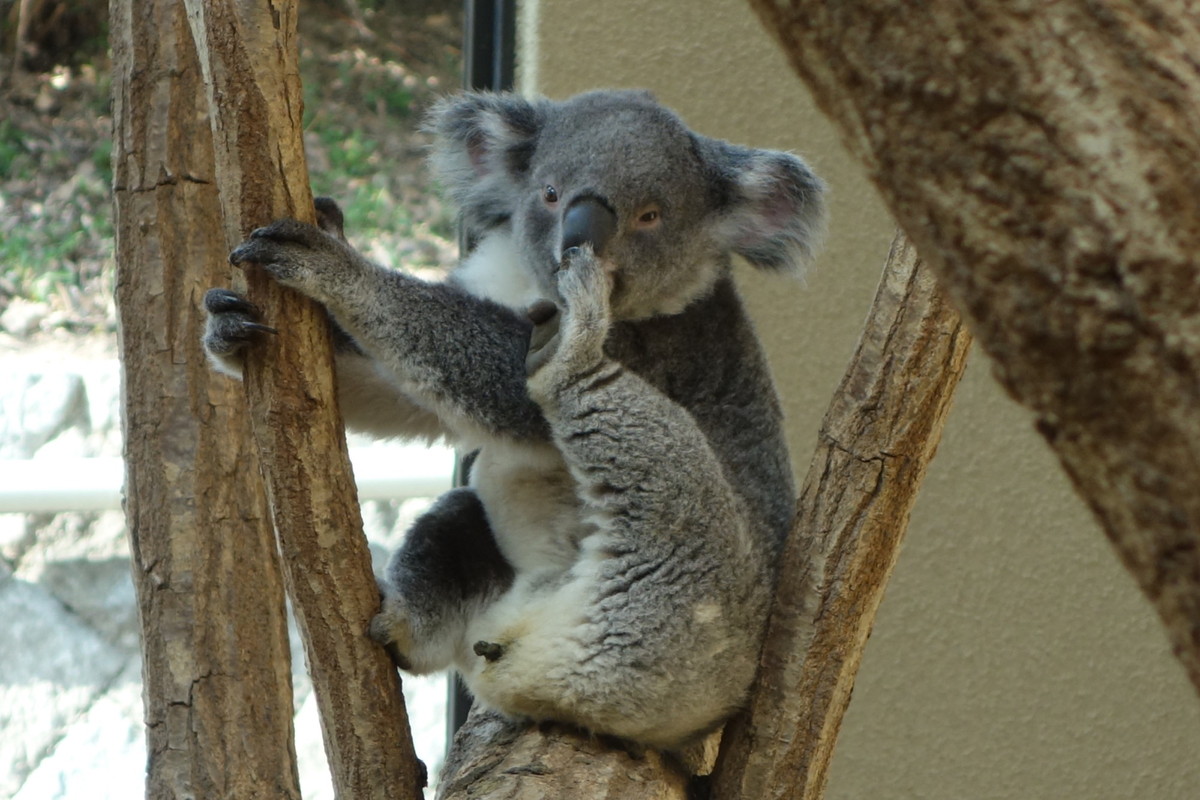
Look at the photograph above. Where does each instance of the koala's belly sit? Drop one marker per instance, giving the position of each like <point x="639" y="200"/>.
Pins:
<point x="532" y="506"/>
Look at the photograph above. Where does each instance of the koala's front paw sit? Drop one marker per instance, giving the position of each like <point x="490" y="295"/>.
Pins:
<point x="297" y="254"/>
<point x="567" y="345"/>
<point x="392" y="630"/>
<point x="232" y="325"/>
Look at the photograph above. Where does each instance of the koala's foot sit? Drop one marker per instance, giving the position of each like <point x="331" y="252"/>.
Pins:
<point x="233" y="324"/>
<point x="302" y="256"/>
<point x="392" y="630"/>
<point x="570" y="345"/>
<point x="490" y="651"/>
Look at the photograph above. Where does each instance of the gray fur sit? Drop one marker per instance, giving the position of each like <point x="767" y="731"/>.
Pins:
<point x="632" y="485"/>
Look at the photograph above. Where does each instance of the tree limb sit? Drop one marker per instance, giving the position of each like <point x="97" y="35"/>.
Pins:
<point x="493" y="758"/>
<point x="1043" y="159"/>
<point x="876" y="442"/>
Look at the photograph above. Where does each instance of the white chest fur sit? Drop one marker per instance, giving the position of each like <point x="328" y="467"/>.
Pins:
<point x="494" y="270"/>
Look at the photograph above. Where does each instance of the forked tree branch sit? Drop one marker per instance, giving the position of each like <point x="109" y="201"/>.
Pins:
<point x="249" y="56"/>
<point x="876" y="442"/>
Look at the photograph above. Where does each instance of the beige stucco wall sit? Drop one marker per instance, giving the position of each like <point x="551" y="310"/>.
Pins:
<point x="1012" y="656"/>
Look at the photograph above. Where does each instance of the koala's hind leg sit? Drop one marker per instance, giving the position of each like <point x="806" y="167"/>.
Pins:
<point x="447" y="568"/>
<point x="669" y="588"/>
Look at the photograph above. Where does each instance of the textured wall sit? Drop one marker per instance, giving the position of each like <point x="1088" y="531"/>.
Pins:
<point x="1012" y="656"/>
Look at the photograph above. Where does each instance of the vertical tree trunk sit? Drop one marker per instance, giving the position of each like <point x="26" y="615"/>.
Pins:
<point x="875" y="445"/>
<point x="210" y="595"/>
<point x="249" y="57"/>
<point x="1043" y="159"/>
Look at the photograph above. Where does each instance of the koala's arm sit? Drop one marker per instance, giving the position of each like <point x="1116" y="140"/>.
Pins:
<point x="370" y="401"/>
<point x="458" y="356"/>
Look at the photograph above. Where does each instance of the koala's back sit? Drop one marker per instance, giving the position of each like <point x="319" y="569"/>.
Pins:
<point x="709" y="360"/>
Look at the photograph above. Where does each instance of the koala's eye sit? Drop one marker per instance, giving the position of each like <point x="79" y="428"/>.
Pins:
<point x="650" y="217"/>
<point x="550" y="195"/>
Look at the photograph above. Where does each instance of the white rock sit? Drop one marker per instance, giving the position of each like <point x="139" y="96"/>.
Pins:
<point x="52" y="667"/>
<point x="103" y="754"/>
<point x="35" y="408"/>
<point x="23" y="317"/>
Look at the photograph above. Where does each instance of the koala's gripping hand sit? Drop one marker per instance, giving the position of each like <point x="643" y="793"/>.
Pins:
<point x="300" y="256"/>
<point x="234" y="323"/>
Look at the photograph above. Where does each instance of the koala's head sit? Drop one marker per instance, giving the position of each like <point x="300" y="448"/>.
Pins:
<point x="665" y="205"/>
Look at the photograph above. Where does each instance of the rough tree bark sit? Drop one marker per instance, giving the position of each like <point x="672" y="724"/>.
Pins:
<point x="250" y="61"/>
<point x="210" y="594"/>
<point x="1042" y="156"/>
<point x="878" y="437"/>
<point x="875" y="445"/>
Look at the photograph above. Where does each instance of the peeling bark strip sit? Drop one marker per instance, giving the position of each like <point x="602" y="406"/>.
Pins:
<point x="1043" y="158"/>
<point x="210" y="594"/>
<point x="875" y="444"/>
<point x="249" y="57"/>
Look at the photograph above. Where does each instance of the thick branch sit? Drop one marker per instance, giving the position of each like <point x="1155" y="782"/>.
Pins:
<point x="1043" y="159"/>
<point x="214" y="628"/>
<point x="249" y="56"/>
<point x="493" y="758"/>
<point x="877" y="440"/>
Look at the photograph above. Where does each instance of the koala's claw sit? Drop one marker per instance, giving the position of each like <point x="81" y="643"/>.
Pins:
<point x="381" y="632"/>
<point x="330" y="217"/>
<point x="268" y="243"/>
<point x="224" y="301"/>
<point x="233" y="322"/>
<point x="567" y="345"/>
<point x="296" y="254"/>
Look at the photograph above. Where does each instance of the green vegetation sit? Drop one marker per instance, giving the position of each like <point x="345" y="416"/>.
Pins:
<point x="363" y="98"/>
<point x="15" y="159"/>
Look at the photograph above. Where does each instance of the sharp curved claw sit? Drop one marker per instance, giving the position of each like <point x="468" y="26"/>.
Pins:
<point x="258" y="326"/>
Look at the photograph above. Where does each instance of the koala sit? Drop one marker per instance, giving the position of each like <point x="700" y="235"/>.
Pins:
<point x="610" y="564"/>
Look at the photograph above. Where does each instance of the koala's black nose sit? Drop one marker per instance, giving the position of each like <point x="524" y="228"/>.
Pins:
<point x="589" y="220"/>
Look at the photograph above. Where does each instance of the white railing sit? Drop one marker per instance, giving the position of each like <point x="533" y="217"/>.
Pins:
<point x="94" y="484"/>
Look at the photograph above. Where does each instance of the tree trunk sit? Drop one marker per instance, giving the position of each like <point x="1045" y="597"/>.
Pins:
<point x="210" y="595"/>
<point x="879" y="435"/>
<point x="1043" y="159"/>
<point x="875" y="444"/>
<point x="249" y="57"/>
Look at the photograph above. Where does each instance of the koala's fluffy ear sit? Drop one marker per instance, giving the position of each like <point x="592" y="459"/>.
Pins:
<point x="775" y="214"/>
<point x="482" y="148"/>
